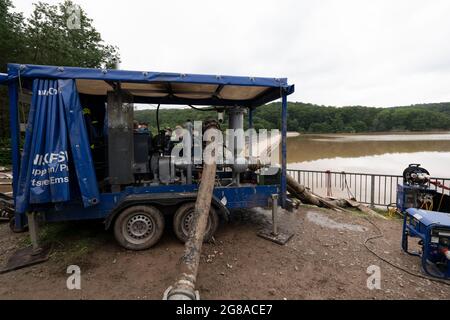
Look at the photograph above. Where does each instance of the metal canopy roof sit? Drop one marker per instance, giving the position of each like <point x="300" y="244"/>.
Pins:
<point x="164" y="88"/>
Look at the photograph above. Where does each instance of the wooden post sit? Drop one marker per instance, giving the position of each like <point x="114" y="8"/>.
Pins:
<point x="372" y="191"/>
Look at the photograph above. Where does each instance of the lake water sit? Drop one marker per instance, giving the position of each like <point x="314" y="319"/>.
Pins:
<point x="371" y="153"/>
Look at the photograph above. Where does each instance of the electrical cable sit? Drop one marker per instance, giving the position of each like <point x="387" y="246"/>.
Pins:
<point x="157" y="118"/>
<point x="380" y="236"/>
<point x="200" y="109"/>
<point x="442" y="199"/>
<point x="349" y="192"/>
<point x="22" y="112"/>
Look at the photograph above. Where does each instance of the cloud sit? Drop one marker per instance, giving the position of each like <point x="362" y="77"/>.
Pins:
<point x="346" y="52"/>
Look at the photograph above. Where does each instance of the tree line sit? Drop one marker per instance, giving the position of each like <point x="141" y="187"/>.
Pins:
<point x="59" y="34"/>
<point x="310" y="118"/>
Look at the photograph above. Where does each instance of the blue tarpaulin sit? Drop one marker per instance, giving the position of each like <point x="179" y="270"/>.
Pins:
<point x="79" y="142"/>
<point x="164" y="87"/>
<point x="56" y="141"/>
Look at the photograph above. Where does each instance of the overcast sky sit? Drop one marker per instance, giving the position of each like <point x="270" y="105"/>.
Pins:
<point x="336" y="52"/>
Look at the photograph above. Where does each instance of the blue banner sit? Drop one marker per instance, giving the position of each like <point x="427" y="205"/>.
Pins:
<point x="56" y="140"/>
<point x="79" y="143"/>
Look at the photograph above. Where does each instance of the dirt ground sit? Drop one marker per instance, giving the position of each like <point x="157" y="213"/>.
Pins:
<point x="324" y="260"/>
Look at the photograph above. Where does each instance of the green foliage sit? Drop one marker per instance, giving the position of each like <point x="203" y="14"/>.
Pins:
<point x="319" y="119"/>
<point x="12" y="30"/>
<point x="5" y="152"/>
<point x="46" y="38"/>
<point x="309" y="118"/>
<point x="51" y="41"/>
<point x="172" y="117"/>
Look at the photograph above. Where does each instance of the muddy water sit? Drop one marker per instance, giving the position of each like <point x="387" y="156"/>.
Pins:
<point x="371" y="153"/>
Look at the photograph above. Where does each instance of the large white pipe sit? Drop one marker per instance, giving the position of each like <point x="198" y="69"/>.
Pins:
<point x="184" y="288"/>
<point x="236" y="123"/>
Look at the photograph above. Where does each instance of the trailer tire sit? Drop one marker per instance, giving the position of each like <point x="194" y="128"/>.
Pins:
<point x="139" y="227"/>
<point x="183" y="218"/>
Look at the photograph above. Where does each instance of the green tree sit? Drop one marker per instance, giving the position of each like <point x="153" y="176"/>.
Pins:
<point x="320" y="128"/>
<point x="337" y="123"/>
<point x="12" y="43"/>
<point x="46" y="37"/>
<point x="360" y="126"/>
<point x="305" y="117"/>
<point x="52" y="40"/>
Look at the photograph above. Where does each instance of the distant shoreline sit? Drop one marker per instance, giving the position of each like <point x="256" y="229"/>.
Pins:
<point x="293" y="134"/>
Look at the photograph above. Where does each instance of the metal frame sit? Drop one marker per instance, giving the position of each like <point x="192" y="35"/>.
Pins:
<point x="277" y="86"/>
<point x="372" y="189"/>
<point x="235" y="197"/>
<point x="284" y="110"/>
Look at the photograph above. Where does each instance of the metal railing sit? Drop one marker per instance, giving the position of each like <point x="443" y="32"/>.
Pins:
<point x="372" y="189"/>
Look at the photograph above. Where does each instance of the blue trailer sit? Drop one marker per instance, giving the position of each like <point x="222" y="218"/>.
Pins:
<point x="83" y="159"/>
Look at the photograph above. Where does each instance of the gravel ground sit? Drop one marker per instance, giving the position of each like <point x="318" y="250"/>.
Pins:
<point x="325" y="259"/>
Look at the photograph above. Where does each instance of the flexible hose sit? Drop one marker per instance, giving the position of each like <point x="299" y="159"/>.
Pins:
<point x="157" y="118"/>
<point x="199" y="109"/>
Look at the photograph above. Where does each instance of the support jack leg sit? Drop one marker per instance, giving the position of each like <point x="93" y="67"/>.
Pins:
<point x="28" y="256"/>
<point x="274" y="234"/>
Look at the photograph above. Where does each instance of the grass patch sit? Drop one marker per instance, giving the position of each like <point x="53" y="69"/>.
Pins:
<point x="382" y="212"/>
<point x="72" y="242"/>
<point x="388" y="214"/>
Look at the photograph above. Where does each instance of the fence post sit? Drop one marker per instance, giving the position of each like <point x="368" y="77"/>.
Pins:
<point x="328" y="183"/>
<point x="372" y="191"/>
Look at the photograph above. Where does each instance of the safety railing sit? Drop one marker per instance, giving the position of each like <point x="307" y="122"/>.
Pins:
<point x="371" y="189"/>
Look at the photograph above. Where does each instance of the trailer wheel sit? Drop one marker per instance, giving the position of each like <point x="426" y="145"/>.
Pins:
<point x="139" y="227"/>
<point x="183" y="218"/>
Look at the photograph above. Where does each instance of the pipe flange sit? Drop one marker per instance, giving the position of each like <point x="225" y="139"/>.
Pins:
<point x="181" y="294"/>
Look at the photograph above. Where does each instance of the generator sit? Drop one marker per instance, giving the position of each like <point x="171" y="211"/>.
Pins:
<point x="414" y="192"/>
<point x="418" y="190"/>
<point x="425" y="218"/>
<point x="432" y="229"/>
